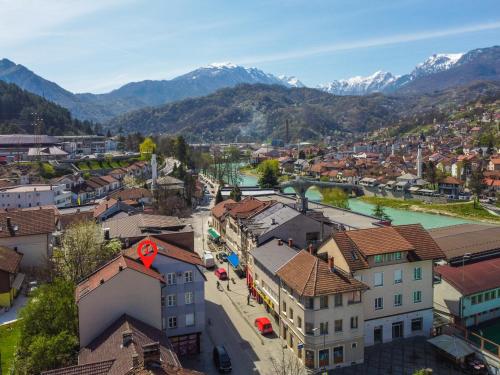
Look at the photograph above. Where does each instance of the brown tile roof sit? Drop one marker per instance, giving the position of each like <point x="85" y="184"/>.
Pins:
<point x="451" y="180"/>
<point x="248" y="207"/>
<point x="311" y="276"/>
<point x="98" y="368"/>
<point x="477" y="277"/>
<point x="67" y="220"/>
<point x="108" y="178"/>
<point x="9" y="260"/>
<point x="374" y="241"/>
<point x="105" y="205"/>
<point x="168" y="250"/>
<point x="132" y="193"/>
<point x="425" y="246"/>
<point x="138" y="225"/>
<point x="27" y="222"/>
<point x="355" y="260"/>
<point x="221" y="208"/>
<point x="110" y="270"/>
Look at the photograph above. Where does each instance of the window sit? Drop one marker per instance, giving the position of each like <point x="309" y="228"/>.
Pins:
<point x="171" y="300"/>
<point x="398" y="300"/>
<point x="309" y="303"/>
<point x="309" y="328"/>
<point x="417" y="296"/>
<point x="338" y="354"/>
<point x="473" y="300"/>
<point x="417" y="273"/>
<point x="379" y="303"/>
<point x="172" y="322"/>
<point x="162" y="301"/>
<point x="323" y="302"/>
<point x="189" y="319"/>
<point x="290" y="315"/>
<point x="479" y="298"/>
<point x="324" y="357"/>
<point x="378" y="258"/>
<point x="389" y="257"/>
<point x="188" y="276"/>
<point x="354" y="322"/>
<point x="378" y="279"/>
<point x="323" y="328"/>
<point x="398" y="276"/>
<point x="354" y="297"/>
<point x="354" y="345"/>
<point x="338" y="299"/>
<point x="338" y="325"/>
<point x="397" y="256"/>
<point x="188" y="298"/>
<point x="299" y="322"/>
<point x="416" y="324"/>
<point x="309" y="360"/>
<point x="171" y="279"/>
<point x="284" y="307"/>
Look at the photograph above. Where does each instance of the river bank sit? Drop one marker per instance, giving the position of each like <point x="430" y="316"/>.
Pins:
<point x="463" y="210"/>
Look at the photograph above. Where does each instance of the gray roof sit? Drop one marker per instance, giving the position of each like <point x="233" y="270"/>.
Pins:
<point x="270" y="218"/>
<point x="142" y="224"/>
<point x="273" y="256"/>
<point x="27" y="139"/>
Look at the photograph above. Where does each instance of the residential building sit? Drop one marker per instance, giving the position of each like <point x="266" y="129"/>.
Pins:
<point x="397" y="264"/>
<point x="183" y="296"/>
<point x="321" y="312"/>
<point x="111" y="207"/>
<point x="29" y="232"/>
<point x="16" y="146"/>
<point x="24" y="196"/>
<point x="127" y="346"/>
<point x="121" y="286"/>
<point x="219" y="215"/>
<point x="10" y="277"/>
<point x="470" y="294"/>
<point x="450" y="187"/>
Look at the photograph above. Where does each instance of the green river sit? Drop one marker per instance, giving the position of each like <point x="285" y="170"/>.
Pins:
<point x="397" y="216"/>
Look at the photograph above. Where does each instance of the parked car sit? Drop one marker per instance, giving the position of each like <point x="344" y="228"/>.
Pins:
<point x="208" y="260"/>
<point x="221" y="273"/>
<point x="31" y="287"/>
<point x="221" y="359"/>
<point x="221" y="256"/>
<point x="264" y="325"/>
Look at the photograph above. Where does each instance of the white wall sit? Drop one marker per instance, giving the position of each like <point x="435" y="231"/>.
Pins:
<point x="35" y="249"/>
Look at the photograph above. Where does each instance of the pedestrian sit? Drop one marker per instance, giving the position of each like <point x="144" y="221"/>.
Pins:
<point x="248" y="299"/>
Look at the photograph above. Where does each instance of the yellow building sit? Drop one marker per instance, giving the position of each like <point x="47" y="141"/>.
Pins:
<point x="10" y="278"/>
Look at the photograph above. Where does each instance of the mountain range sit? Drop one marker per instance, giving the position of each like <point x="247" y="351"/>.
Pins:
<point x="439" y="72"/>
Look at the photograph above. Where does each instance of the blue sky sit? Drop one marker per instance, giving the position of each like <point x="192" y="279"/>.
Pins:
<point x="99" y="45"/>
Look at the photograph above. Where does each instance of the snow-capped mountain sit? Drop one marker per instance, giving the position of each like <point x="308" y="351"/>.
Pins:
<point x="387" y="82"/>
<point x="291" y="81"/>
<point x="358" y="85"/>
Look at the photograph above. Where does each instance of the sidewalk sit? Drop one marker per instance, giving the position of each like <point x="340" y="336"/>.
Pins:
<point x="11" y="315"/>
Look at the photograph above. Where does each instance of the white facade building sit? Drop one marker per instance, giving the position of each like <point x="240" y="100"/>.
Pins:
<point x="25" y="196"/>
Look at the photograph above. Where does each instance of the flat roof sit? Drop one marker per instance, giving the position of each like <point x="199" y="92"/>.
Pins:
<point x="350" y="219"/>
<point x="27" y="188"/>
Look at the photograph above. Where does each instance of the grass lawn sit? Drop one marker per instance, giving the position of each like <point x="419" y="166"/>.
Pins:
<point x="9" y="336"/>
<point x="464" y="210"/>
<point x="248" y="169"/>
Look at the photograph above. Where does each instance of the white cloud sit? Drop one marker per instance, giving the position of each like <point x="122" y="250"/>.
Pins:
<point x="367" y="43"/>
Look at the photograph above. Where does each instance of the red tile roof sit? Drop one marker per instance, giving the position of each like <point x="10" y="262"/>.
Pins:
<point x="477" y="277"/>
<point x="248" y="207"/>
<point x="311" y="276"/>
<point x="27" y="222"/>
<point x="376" y="241"/>
<point x="9" y="260"/>
<point x="221" y="208"/>
<point x="110" y="270"/>
<point x="168" y="250"/>
<point x="451" y="180"/>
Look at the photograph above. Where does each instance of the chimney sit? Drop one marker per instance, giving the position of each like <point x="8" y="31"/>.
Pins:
<point x="280" y="242"/>
<point x="126" y="338"/>
<point x="106" y="234"/>
<point x="135" y="360"/>
<point x="151" y="353"/>
<point x="331" y="264"/>
<point x="310" y="248"/>
<point x="102" y="281"/>
<point x="290" y="242"/>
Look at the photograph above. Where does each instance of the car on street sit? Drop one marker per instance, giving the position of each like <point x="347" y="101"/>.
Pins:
<point x="221" y="359"/>
<point x="221" y="273"/>
<point x="222" y="256"/>
<point x="208" y="260"/>
<point x="264" y="325"/>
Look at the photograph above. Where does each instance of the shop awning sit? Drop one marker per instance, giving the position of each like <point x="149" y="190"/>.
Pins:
<point x="233" y="260"/>
<point x="213" y="233"/>
<point x="455" y="347"/>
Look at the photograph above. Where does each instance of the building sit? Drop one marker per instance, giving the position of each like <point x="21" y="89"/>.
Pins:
<point x="450" y="187"/>
<point x="397" y="264"/>
<point x="121" y="286"/>
<point x="79" y="145"/>
<point x="183" y="296"/>
<point x="24" y="196"/>
<point x="127" y="346"/>
<point x="29" y="232"/>
<point x="321" y="312"/>
<point x="16" y="146"/>
<point x="219" y="215"/>
<point x="10" y="277"/>
<point x="46" y="153"/>
<point x="470" y="294"/>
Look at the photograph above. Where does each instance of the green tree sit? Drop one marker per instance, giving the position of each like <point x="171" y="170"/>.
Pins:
<point x="235" y="194"/>
<point x="49" y="329"/>
<point x="83" y="249"/>
<point x="431" y="172"/>
<point x="181" y="149"/>
<point x="476" y="183"/>
<point x="302" y="154"/>
<point x="218" y="197"/>
<point x="335" y="197"/>
<point x="269" y="173"/>
<point x="378" y="211"/>
<point x="147" y="148"/>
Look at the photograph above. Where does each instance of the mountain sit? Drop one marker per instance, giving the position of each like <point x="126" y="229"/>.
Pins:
<point x="259" y="112"/>
<point x="438" y="72"/>
<point x="135" y="95"/>
<point x="17" y="109"/>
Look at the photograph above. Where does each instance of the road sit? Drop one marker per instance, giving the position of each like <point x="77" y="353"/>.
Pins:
<point x="227" y="318"/>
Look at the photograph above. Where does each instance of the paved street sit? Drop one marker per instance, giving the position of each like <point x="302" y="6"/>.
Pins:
<point x="228" y="317"/>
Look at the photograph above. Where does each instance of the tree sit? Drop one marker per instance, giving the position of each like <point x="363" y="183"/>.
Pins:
<point x="181" y="150"/>
<point x="147" y="148"/>
<point x="431" y="172"/>
<point x="335" y="197"/>
<point x="302" y="154"/>
<point x="108" y="134"/>
<point x="476" y="183"/>
<point x="49" y="329"/>
<point x="378" y="211"/>
<point x="218" y="197"/>
<point x="269" y="173"/>
<point x="235" y="194"/>
<point x="287" y="363"/>
<point x="83" y="249"/>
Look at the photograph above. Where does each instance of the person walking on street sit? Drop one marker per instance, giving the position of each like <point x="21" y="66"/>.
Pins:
<point x="248" y="299"/>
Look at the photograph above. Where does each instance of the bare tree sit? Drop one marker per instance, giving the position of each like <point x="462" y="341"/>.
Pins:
<point x="287" y="364"/>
